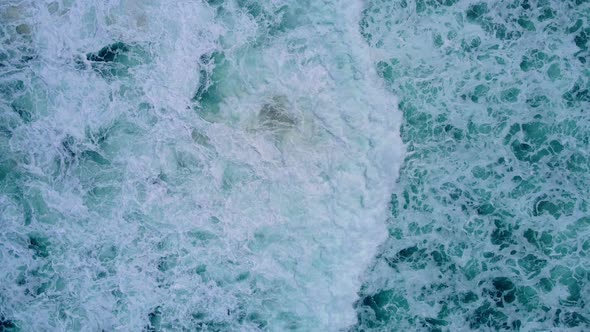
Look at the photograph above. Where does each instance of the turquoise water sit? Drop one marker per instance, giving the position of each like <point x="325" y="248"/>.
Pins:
<point x="489" y="225"/>
<point x="240" y="165"/>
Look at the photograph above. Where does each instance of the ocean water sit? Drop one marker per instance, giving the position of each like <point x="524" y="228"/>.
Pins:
<point x="283" y="165"/>
<point x="190" y="165"/>
<point x="489" y="226"/>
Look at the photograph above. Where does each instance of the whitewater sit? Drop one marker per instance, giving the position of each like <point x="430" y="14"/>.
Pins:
<point x="294" y="165"/>
<point x="190" y="165"/>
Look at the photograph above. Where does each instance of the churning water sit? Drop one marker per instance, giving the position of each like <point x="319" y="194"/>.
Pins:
<point x="243" y="165"/>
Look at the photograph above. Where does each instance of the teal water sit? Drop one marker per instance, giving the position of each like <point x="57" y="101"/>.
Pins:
<point x="240" y="165"/>
<point x="489" y="225"/>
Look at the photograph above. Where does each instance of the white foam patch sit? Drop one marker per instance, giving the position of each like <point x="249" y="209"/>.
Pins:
<point x="263" y="216"/>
